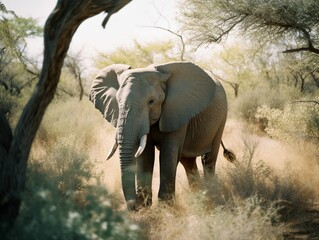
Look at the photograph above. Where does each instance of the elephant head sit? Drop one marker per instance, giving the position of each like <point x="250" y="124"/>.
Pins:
<point x="134" y="99"/>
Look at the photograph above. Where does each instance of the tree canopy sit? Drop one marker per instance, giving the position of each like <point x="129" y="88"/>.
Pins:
<point x="14" y="32"/>
<point x="295" y="22"/>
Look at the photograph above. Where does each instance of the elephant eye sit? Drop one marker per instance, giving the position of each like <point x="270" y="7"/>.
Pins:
<point x="151" y="101"/>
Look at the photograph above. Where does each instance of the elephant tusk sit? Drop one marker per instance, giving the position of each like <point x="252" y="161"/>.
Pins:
<point x="142" y="145"/>
<point x="111" y="153"/>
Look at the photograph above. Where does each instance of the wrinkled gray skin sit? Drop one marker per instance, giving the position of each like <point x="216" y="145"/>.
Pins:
<point x="180" y="109"/>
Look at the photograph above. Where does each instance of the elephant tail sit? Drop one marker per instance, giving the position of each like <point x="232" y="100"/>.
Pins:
<point x="228" y="154"/>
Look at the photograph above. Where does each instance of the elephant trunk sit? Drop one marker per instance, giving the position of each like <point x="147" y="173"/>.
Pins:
<point x="131" y="143"/>
<point x="128" y="170"/>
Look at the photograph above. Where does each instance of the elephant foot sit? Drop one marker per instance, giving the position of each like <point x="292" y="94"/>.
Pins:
<point x="132" y="205"/>
<point x="144" y="197"/>
<point x="166" y="197"/>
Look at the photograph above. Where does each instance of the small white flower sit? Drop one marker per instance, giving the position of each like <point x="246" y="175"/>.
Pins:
<point x="43" y="194"/>
<point x="73" y="215"/>
<point x="104" y="225"/>
<point x="133" y="227"/>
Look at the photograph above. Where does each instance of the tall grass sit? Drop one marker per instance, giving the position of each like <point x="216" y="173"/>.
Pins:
<point x="73" y="193"/>
<point x="196" y="220"/>
<point x="247" y="200"/>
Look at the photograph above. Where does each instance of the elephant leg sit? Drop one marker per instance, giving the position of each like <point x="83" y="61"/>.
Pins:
<point x="209" y="159"/>
<point x="170" y="153"/>
<point x="191" y="171"/>
<point x="145" y="165"/>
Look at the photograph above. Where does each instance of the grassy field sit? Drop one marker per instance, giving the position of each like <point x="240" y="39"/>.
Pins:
<point x="73" y="192"/>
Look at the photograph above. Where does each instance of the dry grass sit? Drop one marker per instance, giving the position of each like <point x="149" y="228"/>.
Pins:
<point x="244" y="201"/>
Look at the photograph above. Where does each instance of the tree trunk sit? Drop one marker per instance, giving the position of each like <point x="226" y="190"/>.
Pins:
<point x="58" y="32"/>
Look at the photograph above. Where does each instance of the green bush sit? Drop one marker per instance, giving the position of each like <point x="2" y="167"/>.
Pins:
<point x="64" y="200"/>
<point x="295" y="121"/>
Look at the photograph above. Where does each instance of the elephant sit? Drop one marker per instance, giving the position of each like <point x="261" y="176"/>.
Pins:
<point x="175" y="107"/>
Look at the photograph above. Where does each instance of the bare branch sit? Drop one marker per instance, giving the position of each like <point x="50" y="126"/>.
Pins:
<point x="234" y="85"/>
<point x="305" y="101"/>
<point x="177" y="35"/>
<point x="308" y="49"/>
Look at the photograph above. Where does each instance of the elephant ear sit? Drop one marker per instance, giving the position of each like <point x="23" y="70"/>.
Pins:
<point x="189" y="90"/>
<point x="103" y="91"/>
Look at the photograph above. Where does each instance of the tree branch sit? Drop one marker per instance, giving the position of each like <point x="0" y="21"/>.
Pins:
<point x="308" y="49"/>
<point x="177" y="35"/>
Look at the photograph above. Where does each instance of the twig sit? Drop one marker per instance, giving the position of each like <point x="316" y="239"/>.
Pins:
<point x="304" y="101"/>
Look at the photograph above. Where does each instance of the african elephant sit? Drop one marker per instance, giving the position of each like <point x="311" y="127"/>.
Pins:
<point x="175" y="107"/>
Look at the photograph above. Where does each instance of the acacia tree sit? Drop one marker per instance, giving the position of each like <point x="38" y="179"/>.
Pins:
<point x="15" y="148"/>
<point x="138" y="55"/>
<point x="14" y="31"/>
<point x="294" y="21"/>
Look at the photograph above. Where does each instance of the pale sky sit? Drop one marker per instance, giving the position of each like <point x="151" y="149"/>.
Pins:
<point x="122" y="28"/>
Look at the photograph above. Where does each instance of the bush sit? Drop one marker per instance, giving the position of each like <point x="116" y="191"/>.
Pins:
<point x="295" y="121"/>
<point x="61" y="201"/>
<point x="247" y="104"/>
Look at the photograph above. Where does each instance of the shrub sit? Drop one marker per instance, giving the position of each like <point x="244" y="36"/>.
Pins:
<point x="61" y="201"/>
<point x="295" y="121"/>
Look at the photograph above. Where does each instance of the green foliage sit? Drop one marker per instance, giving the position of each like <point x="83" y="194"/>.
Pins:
<point x="64" y="196"/>
<point x="299" y="120"/>
<point x="15" y="30"/>
<point x="139" y="55"/>
<point x="17" y="71"/>
<point x="211" y="21"/>
<point x="61" y="203"/>
<point x="273" y="26"/>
